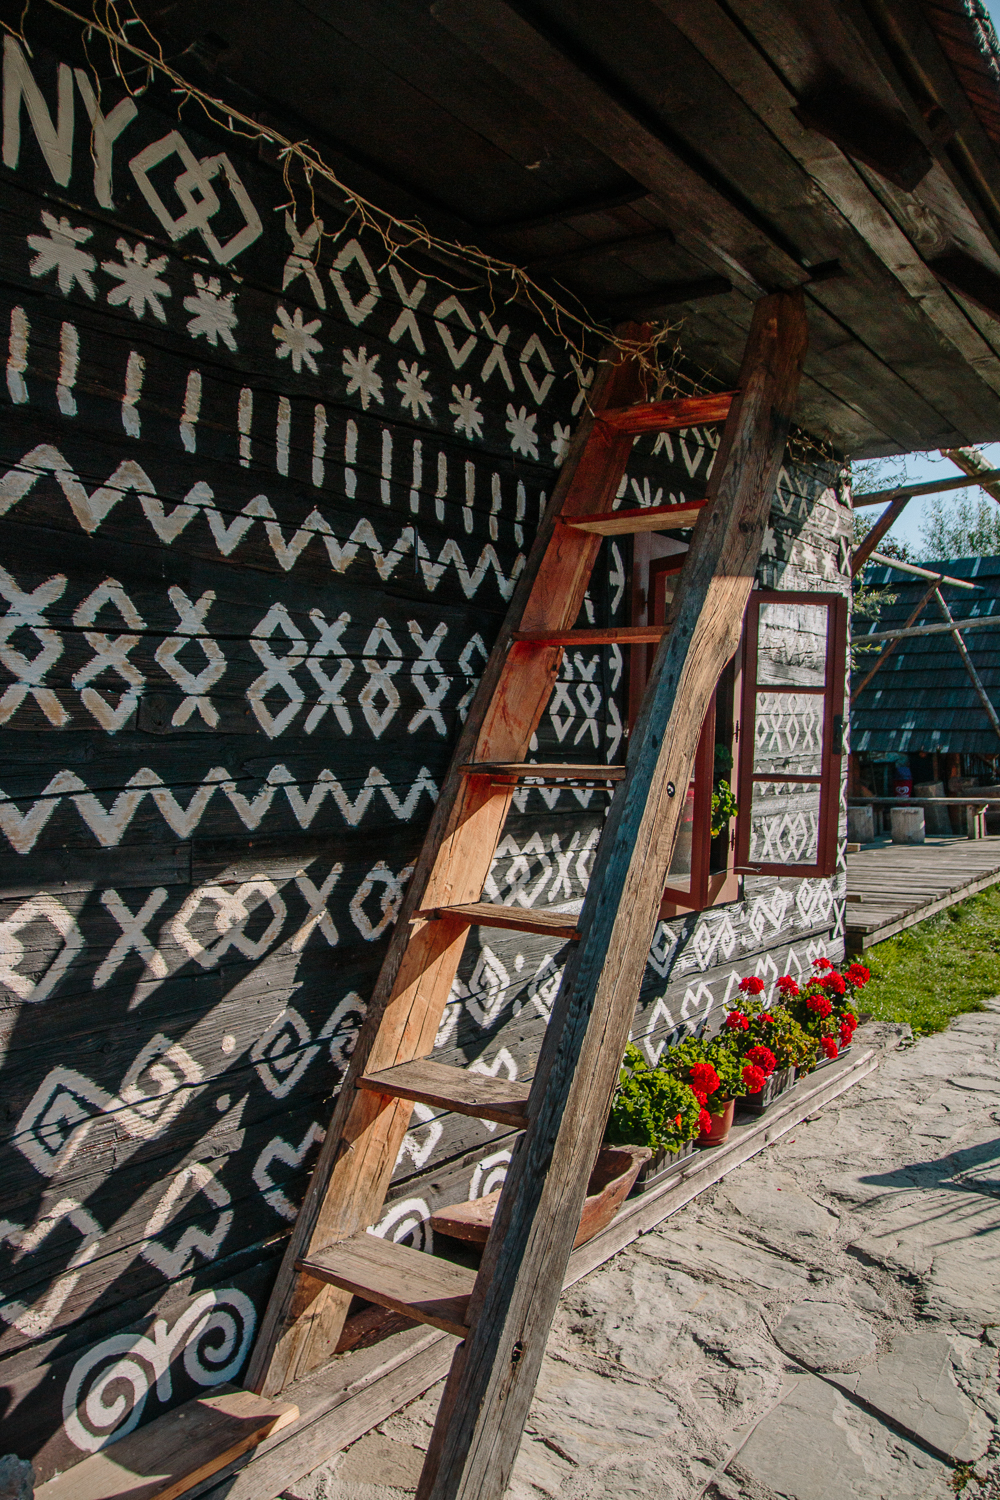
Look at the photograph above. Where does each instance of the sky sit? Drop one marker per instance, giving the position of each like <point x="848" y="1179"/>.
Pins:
<point x="926" y="466"/>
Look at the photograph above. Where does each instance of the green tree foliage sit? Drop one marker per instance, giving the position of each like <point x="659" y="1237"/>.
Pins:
<point x="966" y="526"/>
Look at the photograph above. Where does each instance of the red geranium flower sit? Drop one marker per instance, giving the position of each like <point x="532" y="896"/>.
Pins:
<point x="764" y="1059"/>
<point x="752" y="986"/>
<point x="857" y="975"/>
<point x="786" y="984"/>
<point x="704" y="1076"/>
<point x="701" y="1096"/>
<point x="833" y="981"/>
<point x="822" y="964"/>
<point x="677" y="1122"/>
<point x="820" y="1004"/>
<point x="754" y="1078"/>
<point x="737" y="1021"/>
<point x="829" y="1046"/>
<point x="846" y="1032"/>
<point x="767" y="1017"/>
<point x="704" y="1122"/>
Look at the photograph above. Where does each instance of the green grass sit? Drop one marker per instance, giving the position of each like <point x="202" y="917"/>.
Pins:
<point x="938" y="969"/>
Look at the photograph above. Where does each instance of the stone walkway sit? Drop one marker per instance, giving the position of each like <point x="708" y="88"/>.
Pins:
<point x="822" y="1324"/>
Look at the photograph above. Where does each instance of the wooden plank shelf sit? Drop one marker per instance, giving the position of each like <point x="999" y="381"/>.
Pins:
<point x="894" y="886"/>
<point x="420" y="1286"/>
<point x="641" y="518"/>
<point x="170" y="1455"/>
<point x="511" y="770"/>
<point x="457" y="1089"/>
<point x="489" y="914"/>
<point x="598" y="635"/>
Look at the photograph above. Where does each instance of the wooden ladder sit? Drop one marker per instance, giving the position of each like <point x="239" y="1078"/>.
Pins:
<point x="503" y="1314"/>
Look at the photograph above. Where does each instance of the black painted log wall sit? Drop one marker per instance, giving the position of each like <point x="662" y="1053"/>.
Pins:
<point x="262" y="510"/>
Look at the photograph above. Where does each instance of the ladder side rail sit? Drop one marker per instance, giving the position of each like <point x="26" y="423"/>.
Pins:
<point x="493" y="1375"/>
<point x="304" y="1316"/>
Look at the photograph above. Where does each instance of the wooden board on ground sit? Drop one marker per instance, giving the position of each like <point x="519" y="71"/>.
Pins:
<point x="892" y="888"/>
<point x="168" y="1457"/>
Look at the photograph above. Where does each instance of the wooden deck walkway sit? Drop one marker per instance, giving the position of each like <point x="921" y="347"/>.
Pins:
<point x="892" y="886"/>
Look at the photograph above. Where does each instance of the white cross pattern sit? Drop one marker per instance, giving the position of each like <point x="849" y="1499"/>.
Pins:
<point x="26" y="611"/>
<point x="110" y="656"/>
<point x="191" y="624"/>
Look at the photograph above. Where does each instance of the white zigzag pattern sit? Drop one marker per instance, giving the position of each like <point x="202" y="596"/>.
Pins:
<point x="109" y="824"/>
<point x="91" y="509"/>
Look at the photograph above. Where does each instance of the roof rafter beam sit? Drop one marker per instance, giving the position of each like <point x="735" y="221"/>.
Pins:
<point x="719" y="225"/>
<point x="742" y="61"/>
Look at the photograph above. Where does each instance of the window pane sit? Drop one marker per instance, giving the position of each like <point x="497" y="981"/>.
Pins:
<point x="679" y="875"/>
<point x="784" y="823"/>
<point x="788" y="733"/>
<point x="791" y="645"/>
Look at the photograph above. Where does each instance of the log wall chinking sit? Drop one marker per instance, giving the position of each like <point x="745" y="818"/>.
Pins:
<point x="263" y="508"/>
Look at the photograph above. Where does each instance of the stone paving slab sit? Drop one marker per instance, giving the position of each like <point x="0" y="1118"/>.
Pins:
<point x="823" y="1324"/>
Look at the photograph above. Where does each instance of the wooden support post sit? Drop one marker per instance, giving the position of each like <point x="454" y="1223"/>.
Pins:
<point x="975" y="822"/>
<point x="493" y="1376"/>
<point x="885" y="523"/>
<point x="974" y="677"/>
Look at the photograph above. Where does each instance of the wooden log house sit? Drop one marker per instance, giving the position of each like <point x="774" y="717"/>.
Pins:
<point x="271" y="473"/>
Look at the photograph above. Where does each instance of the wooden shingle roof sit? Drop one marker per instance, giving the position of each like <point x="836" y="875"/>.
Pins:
<point x="922" y="699"/>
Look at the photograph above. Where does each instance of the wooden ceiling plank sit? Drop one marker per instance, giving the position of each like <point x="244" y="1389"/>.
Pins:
<point x="732" y="51"/>
<point x="724" y="235"/>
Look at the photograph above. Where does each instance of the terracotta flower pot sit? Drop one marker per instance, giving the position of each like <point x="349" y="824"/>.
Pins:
<point x="721" y="1125"/>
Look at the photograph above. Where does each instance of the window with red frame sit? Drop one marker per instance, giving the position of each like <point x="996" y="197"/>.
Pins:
<point x="792" y="743"/>
<point x="773" y="735"/>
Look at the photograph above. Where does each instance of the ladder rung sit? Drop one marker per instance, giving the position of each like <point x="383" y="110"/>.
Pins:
<point x="419" y="1286"/>
<point x="489" y="914"/>
<point x="612" y="635"/>
<point x="522" y="770"/>
<point x="658" y="416"/>
<point x="463" y="1091"/>
<point x="648" y="518"/>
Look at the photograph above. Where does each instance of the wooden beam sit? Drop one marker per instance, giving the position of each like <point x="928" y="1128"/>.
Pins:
<point x="890" y="648"/>
<point x="565" y="260"/>
<point x="714" y="219"/>
<point x="884" y="524"/>
<point x="740" y="48"/>
<point x="905" y="567"/>
<point x="304" y="1317"/>
<point x="577" y="208"/>
<point x="962" y="273"/>
<point x="866" y="131"/>
<point x="967" y="662"/>
<point x="979" y="623"/>
<point x="930" y="486"/>
<point x="492" y="1380"/>
<point x="655" y="300"/>
<point x="972" y="462"/>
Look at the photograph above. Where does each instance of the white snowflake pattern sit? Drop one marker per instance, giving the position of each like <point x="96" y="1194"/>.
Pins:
<point x="521" y="426"/>
<point x="140" y="280"/>
<point x="297" y="340"/>
<point x="560" y="442"/>
<point x="214" y="314"/>
<point x="465" y="410"/>
<point x="60" y="251"/>
<point x="362" y="376"/>
<point x="411" y="389"/>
